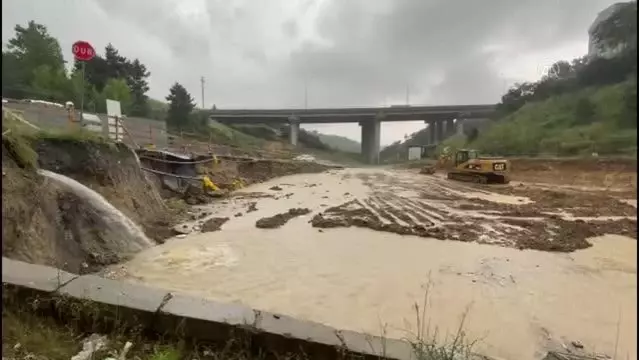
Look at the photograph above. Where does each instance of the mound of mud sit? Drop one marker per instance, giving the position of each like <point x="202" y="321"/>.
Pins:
<point x="214" y="224"/>
<point x="278" y="220"/>
<point x="46" y="221"/>
<point x="545" y="233"/>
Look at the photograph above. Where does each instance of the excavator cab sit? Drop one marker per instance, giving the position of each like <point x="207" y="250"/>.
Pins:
<point x="463" y="156"/>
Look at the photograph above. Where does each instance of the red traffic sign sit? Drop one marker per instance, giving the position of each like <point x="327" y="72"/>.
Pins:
<point x="83" y="51"/>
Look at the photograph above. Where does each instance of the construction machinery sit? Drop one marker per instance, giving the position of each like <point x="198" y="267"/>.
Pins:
<point x="468" y="165"/>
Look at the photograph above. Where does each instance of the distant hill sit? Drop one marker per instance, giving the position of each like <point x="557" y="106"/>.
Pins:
<point x="337" y="142"/>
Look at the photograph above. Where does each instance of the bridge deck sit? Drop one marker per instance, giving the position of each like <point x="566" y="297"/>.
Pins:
<point x="328" y="115"/>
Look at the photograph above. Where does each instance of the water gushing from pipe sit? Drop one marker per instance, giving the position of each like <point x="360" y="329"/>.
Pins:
<point x="129" y="236"/>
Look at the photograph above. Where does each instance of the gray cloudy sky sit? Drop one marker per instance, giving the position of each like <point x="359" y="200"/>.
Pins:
<point x="258" y="53"/>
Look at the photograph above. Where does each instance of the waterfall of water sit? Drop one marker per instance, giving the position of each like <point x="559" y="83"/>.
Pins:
<point x="129" y="235"/>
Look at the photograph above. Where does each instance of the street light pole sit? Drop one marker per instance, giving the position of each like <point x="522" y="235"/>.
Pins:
<point x="305" y="94"/>
<point x="202" y="88"/>
<point x="82" y="94"/>
<point x="407" y="95"/>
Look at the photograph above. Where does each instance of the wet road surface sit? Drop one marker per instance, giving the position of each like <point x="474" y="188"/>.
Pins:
<point x="521" y="302"/>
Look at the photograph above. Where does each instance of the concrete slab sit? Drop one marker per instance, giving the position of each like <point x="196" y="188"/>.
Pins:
<point x="375" y="345"/>
<point x="117" y="293"/>
<point x="203" y="319"/>
<point x="293" y="328"/>
<point x="554" y="355"/>
<point x="197" y="308"/>
<point x="35" y="277"/>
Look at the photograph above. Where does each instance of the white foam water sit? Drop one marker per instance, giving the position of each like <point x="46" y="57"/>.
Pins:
<point x="132" y="237"/>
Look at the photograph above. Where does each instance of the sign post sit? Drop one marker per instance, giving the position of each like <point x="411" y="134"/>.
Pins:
<point x="82" y="52"/>
<point x="114" y="113"/>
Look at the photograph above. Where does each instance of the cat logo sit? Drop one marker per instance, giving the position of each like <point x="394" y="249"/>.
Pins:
<point x="499" y="167"/>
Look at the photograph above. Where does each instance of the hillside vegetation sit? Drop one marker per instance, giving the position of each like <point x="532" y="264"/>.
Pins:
<point x="581" y="107"/>
<point x="337" y="142"/>
<point x="592" y="120"/>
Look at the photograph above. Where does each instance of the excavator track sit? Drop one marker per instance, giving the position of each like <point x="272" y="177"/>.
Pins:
<point x="477" y="178"/>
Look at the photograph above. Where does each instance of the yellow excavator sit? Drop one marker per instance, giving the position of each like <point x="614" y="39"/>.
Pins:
<point x="468" y="165"/>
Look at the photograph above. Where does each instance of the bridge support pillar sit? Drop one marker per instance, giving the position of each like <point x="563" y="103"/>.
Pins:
<point x="450" y="128"/>
<point x="294" y="129"/>
<point x="439" y="133"/>
<point x="459" y="126"/>
<point x="365" y="140"/>
<point x="432" y="132"/>
<point x="370" y="141"/>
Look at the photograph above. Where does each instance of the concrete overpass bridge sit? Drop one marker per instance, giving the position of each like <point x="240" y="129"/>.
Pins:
<point x="442" y="121"/>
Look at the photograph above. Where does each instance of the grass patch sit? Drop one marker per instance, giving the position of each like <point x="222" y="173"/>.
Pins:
<point x="18" y="138"/>
<point x="24" y="334"/>
<point x="177" y="205"/>
<point x="20" y="149"/>
<point x="78" y="135"/>
<point x="426" y="342"/>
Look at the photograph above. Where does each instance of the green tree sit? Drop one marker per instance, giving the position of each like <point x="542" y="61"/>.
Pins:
<point x="585" y="111"/>
<point x="117" y="66"/>
<point x="51" y="84"/>
<point x="117" y="89"/>
<point x="137" y="81"/>
<point x="14" y="82"/>
<point x="628" y="117"/>
<point x="96" y="72"/>
<point x="181" y="104"/>
<point x="31" y="48"/>
<point x="560" y="70"/>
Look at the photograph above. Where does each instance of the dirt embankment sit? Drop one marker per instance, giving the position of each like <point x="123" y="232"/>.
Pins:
<point x="596" y="172"/>
<point x="256" y="171"/>
<point x="619" y="173"/>
<point x="46" y="223"/>
<point x="227" y="173"/>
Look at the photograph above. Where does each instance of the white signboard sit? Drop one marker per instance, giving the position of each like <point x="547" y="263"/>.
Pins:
<point x="113" y="108"/>
<point x="114" y="116"/>
<point x="414" y="153"/>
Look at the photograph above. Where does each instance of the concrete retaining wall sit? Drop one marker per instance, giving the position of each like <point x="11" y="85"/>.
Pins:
<point x="97" y="299"/>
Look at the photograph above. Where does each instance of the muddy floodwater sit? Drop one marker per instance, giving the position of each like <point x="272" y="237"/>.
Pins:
<point x="474" y="244"/>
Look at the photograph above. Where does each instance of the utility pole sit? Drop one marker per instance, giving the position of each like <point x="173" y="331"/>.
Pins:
<point x="305" y="93"/>
<point x="202" y="86"/>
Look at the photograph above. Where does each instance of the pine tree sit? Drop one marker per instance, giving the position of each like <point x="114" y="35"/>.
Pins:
<point x="139" y="86"/>
<point x="181" y="104"/>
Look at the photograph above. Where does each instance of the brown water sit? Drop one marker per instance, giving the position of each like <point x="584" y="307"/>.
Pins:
<point x="520" y="301"/>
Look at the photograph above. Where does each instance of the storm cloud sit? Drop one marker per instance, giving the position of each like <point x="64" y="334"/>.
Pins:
<point x="343" y="52"/>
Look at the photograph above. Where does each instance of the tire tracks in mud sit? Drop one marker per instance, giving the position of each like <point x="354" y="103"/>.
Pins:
<point x="442" y="212"/>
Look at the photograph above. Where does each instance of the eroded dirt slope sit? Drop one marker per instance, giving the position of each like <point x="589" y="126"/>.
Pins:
<point x="46" y="223"/>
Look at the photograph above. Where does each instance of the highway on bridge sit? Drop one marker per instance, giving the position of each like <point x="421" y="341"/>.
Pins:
<point x="443" y="121"/>
<point x="346" y="115"/>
